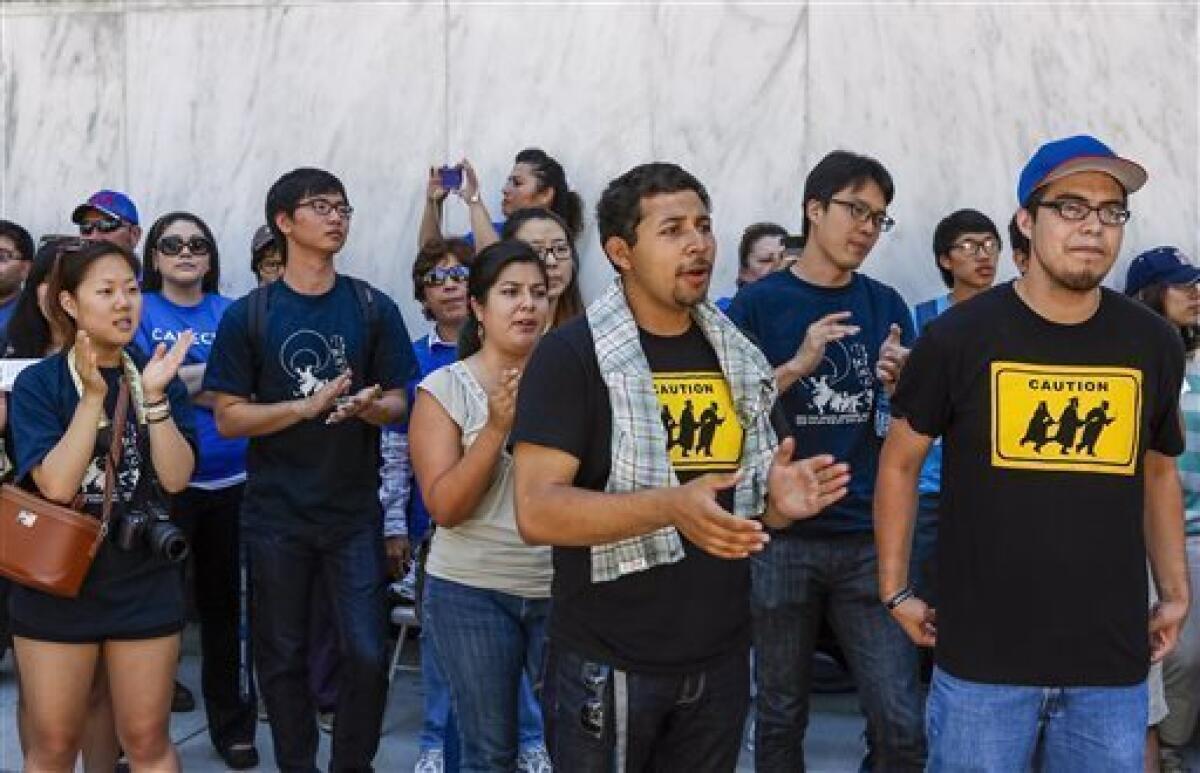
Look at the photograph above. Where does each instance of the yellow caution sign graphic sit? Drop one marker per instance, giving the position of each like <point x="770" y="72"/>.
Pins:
<point x="702" y="428"/>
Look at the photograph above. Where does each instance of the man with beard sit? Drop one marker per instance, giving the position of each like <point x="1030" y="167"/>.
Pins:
<point x="836" y="340"/>
<point x="1043" y="642"/>
<point x="650" y="622"/>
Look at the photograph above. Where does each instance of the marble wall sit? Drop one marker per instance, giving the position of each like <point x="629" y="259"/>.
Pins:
<point x="201" y="105"/>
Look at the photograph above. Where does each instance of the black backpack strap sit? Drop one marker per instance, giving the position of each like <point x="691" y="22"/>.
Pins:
<point x="369" y="309"/>
<point x="256" y="318"/>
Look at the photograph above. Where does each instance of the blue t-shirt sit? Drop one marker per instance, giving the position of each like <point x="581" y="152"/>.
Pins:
<point x="931" y="472"/>
<point x="222" y="460"/>
<point x="126" y="592"/>
<point x="311" y="473"/>
<point x="6" y="312"/>
<point x="833" y="409"/>
<point x="431" y="355"/>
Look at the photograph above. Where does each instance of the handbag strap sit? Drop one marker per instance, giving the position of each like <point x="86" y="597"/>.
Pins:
<point x="113" y="459"/>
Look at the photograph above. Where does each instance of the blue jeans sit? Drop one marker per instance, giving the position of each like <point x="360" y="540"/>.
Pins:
<point x="486" y="641"/>
<point x="606" y="719"/>
<point x="991" y="727"/>
<point x="435" y="728"/>
<point x="795" y="582"/>
<point x="350" y="562"/>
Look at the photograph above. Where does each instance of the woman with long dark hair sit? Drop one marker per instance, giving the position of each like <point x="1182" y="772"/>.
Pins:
<point x="550" y="238"/>
<point x="181" y="279"/>
<point x="127" y="617"/>
<point x="1166" y="281"/>
<point x="486" y="594"/>
<point x="537" y="181"/>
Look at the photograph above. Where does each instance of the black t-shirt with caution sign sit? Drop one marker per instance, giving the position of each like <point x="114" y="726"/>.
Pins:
<point x="1042" y="561"/>
<point x="673" y="618"/>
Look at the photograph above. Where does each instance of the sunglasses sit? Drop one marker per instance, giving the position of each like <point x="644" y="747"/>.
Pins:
<point x="173" y="245"/>
<point x="103" y="226"/>
<point x="438" y="276"/>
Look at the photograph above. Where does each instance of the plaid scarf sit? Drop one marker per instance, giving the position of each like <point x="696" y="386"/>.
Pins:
<point x="639" y="441"/>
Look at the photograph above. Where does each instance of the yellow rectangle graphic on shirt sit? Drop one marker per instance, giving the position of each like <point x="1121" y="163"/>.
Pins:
<point x="1065" y="418"/>
<point x="703" y="433"/>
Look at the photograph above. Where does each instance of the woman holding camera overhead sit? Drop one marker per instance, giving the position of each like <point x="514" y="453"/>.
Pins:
<point x="127" y="617"/>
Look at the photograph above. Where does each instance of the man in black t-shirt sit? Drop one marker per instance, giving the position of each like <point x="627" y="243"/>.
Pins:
<point x="652" y="521"/>
<point x="1042" y="636"/>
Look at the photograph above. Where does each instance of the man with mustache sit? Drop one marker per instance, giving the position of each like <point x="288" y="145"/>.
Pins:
<point x="1042" y="635"/>
<point x="650" y="622"/>
<point x="836" y="339"/>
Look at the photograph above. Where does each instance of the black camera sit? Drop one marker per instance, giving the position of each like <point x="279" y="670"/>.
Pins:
<point x="148" y="523"/>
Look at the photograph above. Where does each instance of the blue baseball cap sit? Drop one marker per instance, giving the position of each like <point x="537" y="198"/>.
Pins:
<point x="1161" y="265"/>
<point x="1081" y="153"/>
<point x="112" y="204"/>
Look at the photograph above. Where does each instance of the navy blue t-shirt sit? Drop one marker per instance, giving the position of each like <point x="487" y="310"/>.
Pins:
<point x="311" y="473"/>
<point x="126" y="594"/>
<point x="833" y="410"/>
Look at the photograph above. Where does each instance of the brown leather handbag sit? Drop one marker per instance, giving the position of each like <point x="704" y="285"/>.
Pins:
<point x="49" y="547"/>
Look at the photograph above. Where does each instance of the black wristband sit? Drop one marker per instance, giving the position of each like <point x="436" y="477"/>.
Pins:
<point x="901" y="596"/>
<point x="158" y="419"/>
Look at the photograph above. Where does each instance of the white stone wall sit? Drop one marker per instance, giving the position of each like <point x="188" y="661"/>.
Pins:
<point x="201" y="105"/>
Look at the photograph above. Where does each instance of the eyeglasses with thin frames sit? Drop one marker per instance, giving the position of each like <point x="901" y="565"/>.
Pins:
<point x="972" y="248"/>
<point x="1074" y="211"/>
<point x="557" y="250"/>
<point x="325" y="207"/>
<point x="863" y="214"/>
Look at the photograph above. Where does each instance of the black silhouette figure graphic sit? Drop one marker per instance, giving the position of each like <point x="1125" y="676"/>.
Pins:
<point x="1093" y="424"/>
<point x="709" y="421"/>
<point x="1068" y="424"/>
<point x="1037" y="430"/>
<point x="687" y="428"/>
<point x="669" y="425"/>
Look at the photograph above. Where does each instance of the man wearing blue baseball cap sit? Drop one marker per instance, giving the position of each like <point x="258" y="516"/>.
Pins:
<point x="1057" y="401"/>
<point x="109" y="216"/>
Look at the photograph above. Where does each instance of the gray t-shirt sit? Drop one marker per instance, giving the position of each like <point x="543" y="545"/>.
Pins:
<point x="484" y="551"/>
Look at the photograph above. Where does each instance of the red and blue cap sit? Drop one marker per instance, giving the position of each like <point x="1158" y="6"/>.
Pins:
<point x="1081" y="153"/>
<point x="1161" y="265"/>
<point x="112" y="204"/>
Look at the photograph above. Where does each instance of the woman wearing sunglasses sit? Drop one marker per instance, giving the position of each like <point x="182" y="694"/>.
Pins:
<point x="129" y="612"/>
<point x="181" y="277"/>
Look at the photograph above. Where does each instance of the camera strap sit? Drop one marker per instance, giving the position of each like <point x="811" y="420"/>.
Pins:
<point x="113" y="460"/>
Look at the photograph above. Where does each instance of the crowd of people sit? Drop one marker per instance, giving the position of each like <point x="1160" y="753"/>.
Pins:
<point x="617" y="521"/>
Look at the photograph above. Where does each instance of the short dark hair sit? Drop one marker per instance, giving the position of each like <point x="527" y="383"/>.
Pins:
<point x="152" y="278"/>
<point x="292" y="188"/>
<point x="20" y="237"/>
<point x="751" y="236"/>
<point x="433" y="253"/>
<point x="954" y="225"/>
<point x="485" y="270"/>
<point x="1018" y="240"/>
<point x="839" y="170"/>
<point x="565" y="203"/>
<point x="69" y="272"/>
<point x="619" y="209"/>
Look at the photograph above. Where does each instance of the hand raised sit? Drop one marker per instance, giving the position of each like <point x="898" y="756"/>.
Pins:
<point x="433" y="186"/>
<point x="802" y="488"/>
<point x="354" y="405"/>
<point x="470" y="183"/>
<point x="88" y="367"/>
<point x="322" y="400"/>
<point x="163" y="366"/>
<point x="708" y="526"/>
<point x="892" y="356"/>
<point x="831" y="327"/>
<point x="502" y="400"/>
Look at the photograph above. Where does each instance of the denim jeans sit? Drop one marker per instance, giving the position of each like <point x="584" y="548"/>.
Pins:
<point x="606" y="719"/>
<point x="486" y="642"/>
<point x="434" y="728"/>
<point x="350" y="561"/>
<point x="795" y="582"/>
<point x="987" y="727"/>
